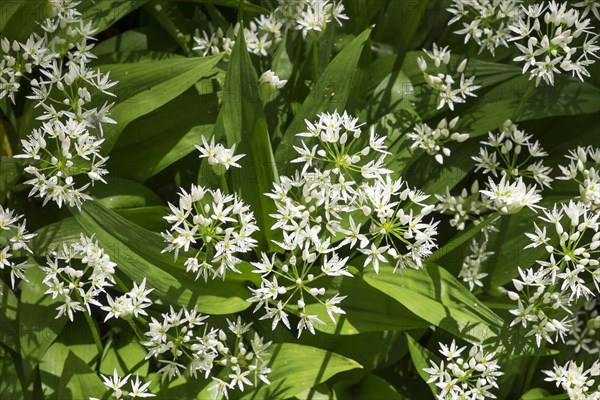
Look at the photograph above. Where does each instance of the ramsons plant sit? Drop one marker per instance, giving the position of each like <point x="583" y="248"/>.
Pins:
<point x="295" y="199"/>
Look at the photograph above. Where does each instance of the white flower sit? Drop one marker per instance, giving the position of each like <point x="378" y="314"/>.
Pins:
<point x="510" y="198"/>
<point x="219" y="157"/>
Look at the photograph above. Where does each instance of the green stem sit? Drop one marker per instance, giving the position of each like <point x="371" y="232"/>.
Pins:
<point x="94" y="330"/>
<point x="224" y="185"/>
<point x="315" y="48"/>
<point x="136" y="330"/>
<point x="519" y="111"/>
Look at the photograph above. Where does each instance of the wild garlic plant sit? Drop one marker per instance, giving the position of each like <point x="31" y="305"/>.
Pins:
<point x="265" y="32"/>
<point x="465" y="207"/>
<point x="584" y="169"/>
<point x="485" y="22"/>
<point x="464" y="377"/>
<point x="448" y="81"/>
<point x="433" y="141"/>
<point x="554" y="37"/>
<point x="184" y="337"/>
<point x="577" y="381"/>
<point x="64" y="154"/>
<point x="511" y="153"/>
<point x="78" y="274"/>
<point x="14" y="244"/>
<point x="547" y="294"/>
<point x="342" y="199"/>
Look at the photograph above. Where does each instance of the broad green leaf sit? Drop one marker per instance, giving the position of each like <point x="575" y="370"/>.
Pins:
<point x="568" y="96"/>
<point x="144" y="87"/>
<point x="330" y="93"/>
<point x="75" y="339"/>
<point x="243" y="120"/>
<point x="123" y="193"/>
<point x="10" y="172"/>
<point x="152" y="143"/>
<point x="542" y="394"/>
<point x="128" y="41"/>
<point x="462" y="238"/>
<point x="38" y="327"/>
<point x="52" y="236"/>
<point x="126" y="355"/>
<point x="150" y="218"/>
<point x="420" y="357"/>
<point x="138" y="253"/>
<point x="9" y="334"/>
<point x="78" y="381"/>
<point x="104" y="13"/>
<point x="380" y="313"/>
<point x="370" y="387"/>
<point x="10" y="384"/>
<point x="296" y="368"/>
<point x="18" y="18"/>
<point x="435" y="295"/>
<point x="245" y="5"/>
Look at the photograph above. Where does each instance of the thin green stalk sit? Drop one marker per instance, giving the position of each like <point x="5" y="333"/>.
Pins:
<point x="95" y="334"/>
<point x="519" y="111"/>
<point x="315" y="51"/>
<point x="224" y="185"/>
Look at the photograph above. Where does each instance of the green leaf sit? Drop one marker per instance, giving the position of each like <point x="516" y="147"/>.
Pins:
<point x="152" y="143"/>
<point x="330" y="93"/>
<point x="76" y="340"/>
<point x="380" y="313"/>
<point x="567" y="97"/>
<point x="297" y="368"/>
<point x="542" y="394"/>
<point x="78" y="381"/>
<point x="9" y="334"/>
<point x="10" y="172"/>
<point x="243" y="120"/>
<point x="144" y="87"/>
<point x="438" y="297"/>
<point x="138" y="253"/>
<point x="104" y="13"/>
<point x="370" y="387"/>
<point x="126" y="355"/>
<point x="52" y="236"/>
<point x="38" y="327"/>
<point x="420" y="357"/>
<point x="123" y="193"/>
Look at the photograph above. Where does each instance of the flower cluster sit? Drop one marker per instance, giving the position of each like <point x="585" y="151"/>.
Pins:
<point x="510" y="198"/>
<point x="553" y="38"/>
<point x="470" y="377"/>
<point x="265" y="32"/>
<point x="550" y="291"/>
<point x="585" y="334"/>
<point x="465" y="207"/>
<point x="183" y="336"/>
<point x="261" y="37"/>
<point x="219" y="157"/>
<point x="115" y="383"/>
<point x="510" y="153"/>
<point x="444" y="84"/>
<point x="434" y="141"/>
<point x="219" y="225"/>
<point x="486" y="22"/>
<point x="310" y="16"/>
<point x="131" y="303"/>
<point x="579" y="383"/>
<point x="67" y="144"/>
<point x="14" y="238"/>
<point x="78" y="274"/>
<point x="342" y="198"/>
<point x="584" y="169"/>
<point x="470" y="271"/>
